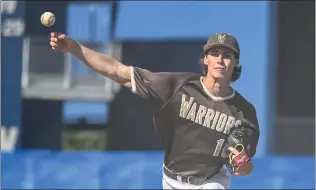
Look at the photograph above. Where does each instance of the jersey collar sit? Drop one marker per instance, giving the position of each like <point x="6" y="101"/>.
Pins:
<point x="216" y="98"/>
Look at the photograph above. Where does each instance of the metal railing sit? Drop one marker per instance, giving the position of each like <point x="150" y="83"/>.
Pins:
<point x="48" y="74"/>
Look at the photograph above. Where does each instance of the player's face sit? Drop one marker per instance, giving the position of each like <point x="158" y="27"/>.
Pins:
<point x="221" y="63"/>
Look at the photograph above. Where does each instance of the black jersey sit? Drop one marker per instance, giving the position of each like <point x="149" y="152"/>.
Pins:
<point x="192" y="123"/>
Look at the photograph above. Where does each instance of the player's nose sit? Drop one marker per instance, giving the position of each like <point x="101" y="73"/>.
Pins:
<point x="220" y="59"/>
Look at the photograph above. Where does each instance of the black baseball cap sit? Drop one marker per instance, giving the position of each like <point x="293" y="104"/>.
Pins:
<point x="222" y="40"/>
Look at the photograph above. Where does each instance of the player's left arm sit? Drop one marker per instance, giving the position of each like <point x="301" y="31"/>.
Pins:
<point x="244" y="140"/>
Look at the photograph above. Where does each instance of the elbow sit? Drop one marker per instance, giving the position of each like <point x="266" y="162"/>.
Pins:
<point x="120" y="73"/>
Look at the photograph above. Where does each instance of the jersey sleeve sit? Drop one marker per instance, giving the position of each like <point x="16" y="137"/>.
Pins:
<point x="157" y="87"/>
<point x="253" y="132"/>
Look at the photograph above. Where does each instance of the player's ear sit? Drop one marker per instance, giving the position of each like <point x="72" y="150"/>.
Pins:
<point x="205" y="60"/>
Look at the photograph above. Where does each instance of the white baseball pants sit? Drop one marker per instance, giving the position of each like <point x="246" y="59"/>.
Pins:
<point x="219" y="181"/>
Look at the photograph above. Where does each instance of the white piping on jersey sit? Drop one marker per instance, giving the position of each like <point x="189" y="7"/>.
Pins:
<point x="133" y="82"/>
<point x="216" y="98"/>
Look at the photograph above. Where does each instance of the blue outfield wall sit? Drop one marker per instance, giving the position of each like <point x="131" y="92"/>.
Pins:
<point x="108" y="170"/>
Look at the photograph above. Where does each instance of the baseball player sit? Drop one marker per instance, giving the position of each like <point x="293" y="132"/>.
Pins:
<point x="205" y="125"/>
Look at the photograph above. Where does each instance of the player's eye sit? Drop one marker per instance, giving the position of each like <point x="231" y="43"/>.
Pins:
<point x="227" y="56"/>
<point x="214" y="54"/>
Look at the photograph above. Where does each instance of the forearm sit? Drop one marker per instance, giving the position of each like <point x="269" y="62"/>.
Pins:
<point x="102" y="63"/>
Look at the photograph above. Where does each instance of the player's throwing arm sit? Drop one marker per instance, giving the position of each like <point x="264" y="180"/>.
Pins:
<point x="101" y="63"/>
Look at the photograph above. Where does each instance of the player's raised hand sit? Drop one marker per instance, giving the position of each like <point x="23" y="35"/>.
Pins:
<point x="61" y="42"/>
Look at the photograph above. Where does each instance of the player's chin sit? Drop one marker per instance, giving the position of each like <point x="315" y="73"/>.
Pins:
<point x="218" y="75"/>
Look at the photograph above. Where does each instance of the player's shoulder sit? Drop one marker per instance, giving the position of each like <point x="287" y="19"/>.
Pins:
<point x="173" y="79"/>
<point x="243" y="102"/>
<point x="178" y="75"/>
<point x="248" y="110"/>
<point x="187" y="76"/>
<point x="181" y="79"/>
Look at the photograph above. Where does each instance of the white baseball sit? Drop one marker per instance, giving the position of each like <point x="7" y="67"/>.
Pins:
<point x="48" y="19"/>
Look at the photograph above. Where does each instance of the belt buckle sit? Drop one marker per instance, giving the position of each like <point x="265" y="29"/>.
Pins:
<point x="189" y="181"/>
<point x="179" y="178"/>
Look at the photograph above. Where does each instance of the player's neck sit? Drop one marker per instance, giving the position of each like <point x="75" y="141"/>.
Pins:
<point x="218" y="88"/>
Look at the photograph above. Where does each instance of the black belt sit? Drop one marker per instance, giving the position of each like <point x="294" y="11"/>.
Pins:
<point x="184" y="179"/>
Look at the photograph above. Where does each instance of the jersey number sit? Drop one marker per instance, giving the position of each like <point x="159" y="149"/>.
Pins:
<point x="219" y="147"/>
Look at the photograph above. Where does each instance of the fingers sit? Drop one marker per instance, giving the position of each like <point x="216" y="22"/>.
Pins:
<point x="54" y="45"/>
<point x="56" y="40"/>
<point x="53" y="39"/>
<point x="233" y="150"/>
<point x="55" y="34"/>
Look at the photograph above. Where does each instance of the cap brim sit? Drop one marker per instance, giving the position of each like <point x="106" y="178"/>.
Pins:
<point x="207" y="47"/>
